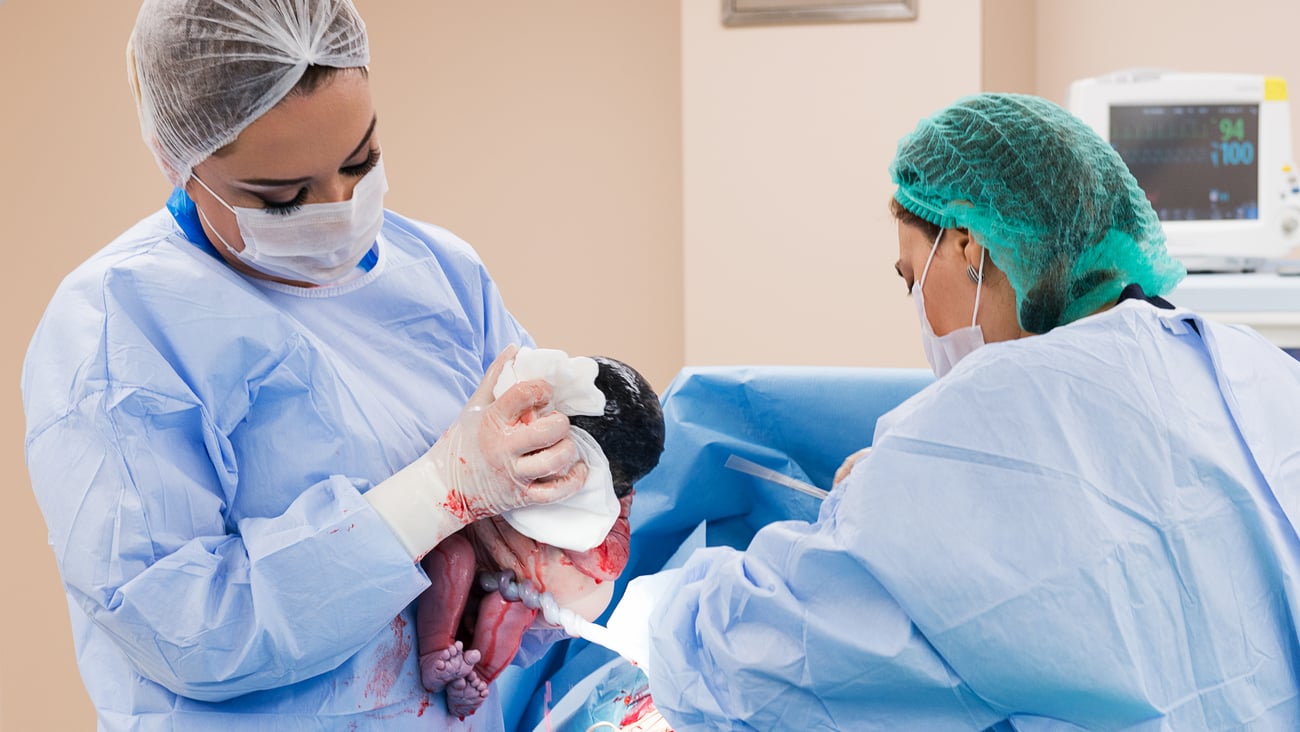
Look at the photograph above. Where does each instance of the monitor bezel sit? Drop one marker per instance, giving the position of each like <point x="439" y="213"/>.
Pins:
<point x="1233" y="239"/>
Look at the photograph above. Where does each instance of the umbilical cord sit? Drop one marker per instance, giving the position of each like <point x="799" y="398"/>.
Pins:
<point x="514" y="591"/>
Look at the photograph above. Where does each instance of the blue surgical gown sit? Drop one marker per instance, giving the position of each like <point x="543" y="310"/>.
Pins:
<point x="199" y="443"/>
<point x="1093" y="528"/>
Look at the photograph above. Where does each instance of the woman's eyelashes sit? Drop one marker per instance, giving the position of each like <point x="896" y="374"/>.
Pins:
<point x="287" y="207"/>
<point x="356" y="171"/>
<point x="352" y="171"/>
<point x="906" y="280"/>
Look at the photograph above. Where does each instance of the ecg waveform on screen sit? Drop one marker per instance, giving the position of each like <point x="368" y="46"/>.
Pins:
<point x="1195" y="162"/>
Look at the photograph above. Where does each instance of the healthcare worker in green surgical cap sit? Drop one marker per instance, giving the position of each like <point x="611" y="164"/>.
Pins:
<point x="1089" y="521"/>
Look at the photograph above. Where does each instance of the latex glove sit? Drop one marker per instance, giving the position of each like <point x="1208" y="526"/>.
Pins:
<point x="498" y="455"/>
<point x="582" y="521"/>
<point x="847" y="466"/>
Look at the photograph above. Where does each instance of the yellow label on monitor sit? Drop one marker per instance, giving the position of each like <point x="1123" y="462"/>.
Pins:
<point x="1274" y="89"/>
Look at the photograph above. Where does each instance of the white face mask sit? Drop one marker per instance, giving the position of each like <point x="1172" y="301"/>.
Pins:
<point x="943" y="352"/>
<point x="320" y="243"/>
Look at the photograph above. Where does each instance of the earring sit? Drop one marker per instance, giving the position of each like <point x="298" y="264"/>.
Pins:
<point x="972" y="274"/>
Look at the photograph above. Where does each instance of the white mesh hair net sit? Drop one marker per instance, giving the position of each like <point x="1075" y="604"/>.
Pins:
<point x="203" y="70"/>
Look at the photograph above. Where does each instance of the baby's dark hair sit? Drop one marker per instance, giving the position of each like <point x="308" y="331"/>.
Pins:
<point x="631" y="431"/>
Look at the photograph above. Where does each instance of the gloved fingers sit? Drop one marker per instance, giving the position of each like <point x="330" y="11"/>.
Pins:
<point x="483" y="394"/>
<point x="550" y="463"/>
<point x="522" y="402"/>
<point x="542" y="433"/>
<point x="551" y="490"/>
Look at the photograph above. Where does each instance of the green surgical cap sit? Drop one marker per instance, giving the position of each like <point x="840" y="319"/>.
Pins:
<point x="1054" y="204"/>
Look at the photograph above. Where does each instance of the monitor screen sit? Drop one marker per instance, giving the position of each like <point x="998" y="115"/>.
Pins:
<point x="1196" y="162"/>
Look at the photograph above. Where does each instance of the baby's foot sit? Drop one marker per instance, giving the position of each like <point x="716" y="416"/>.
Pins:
<point x="440" y="668"/>
<point x="465" y="696"/>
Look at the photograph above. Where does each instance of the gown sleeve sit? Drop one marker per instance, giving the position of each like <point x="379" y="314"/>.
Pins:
<point x="207" y="609"/>
<point x="795" y="633"/>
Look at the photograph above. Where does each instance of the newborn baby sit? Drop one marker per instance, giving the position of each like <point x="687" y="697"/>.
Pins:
<point x="466" y="636"/>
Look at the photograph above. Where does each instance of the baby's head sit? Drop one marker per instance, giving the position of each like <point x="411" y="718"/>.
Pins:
<point x="631" y="434"/>
<point x="631" y="431"/>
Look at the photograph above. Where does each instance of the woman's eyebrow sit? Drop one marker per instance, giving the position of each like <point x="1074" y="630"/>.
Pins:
<point x="274" y="182"/>
<point x="365" y="140"/>
<point x="286" y="182"/>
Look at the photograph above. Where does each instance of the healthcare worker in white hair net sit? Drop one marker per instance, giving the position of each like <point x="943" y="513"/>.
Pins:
<point x="252" y="413"/>
<point x="1088" y="521"/>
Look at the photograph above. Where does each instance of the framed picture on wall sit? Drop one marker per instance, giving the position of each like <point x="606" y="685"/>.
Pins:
<point x="770" y="12"/>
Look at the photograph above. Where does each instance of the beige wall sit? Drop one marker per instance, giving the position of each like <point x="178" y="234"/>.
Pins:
<point x="1008" y="46"/>
<point x="787" y="135"/>
<point x="75" y="175"/>
<point x="548" y="135"/>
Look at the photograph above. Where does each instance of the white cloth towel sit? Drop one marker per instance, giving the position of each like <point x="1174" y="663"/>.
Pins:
<point x="583" y="520"/>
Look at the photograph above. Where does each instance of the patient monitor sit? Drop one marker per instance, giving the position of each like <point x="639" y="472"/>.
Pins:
<point x="1212" y="152"/>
